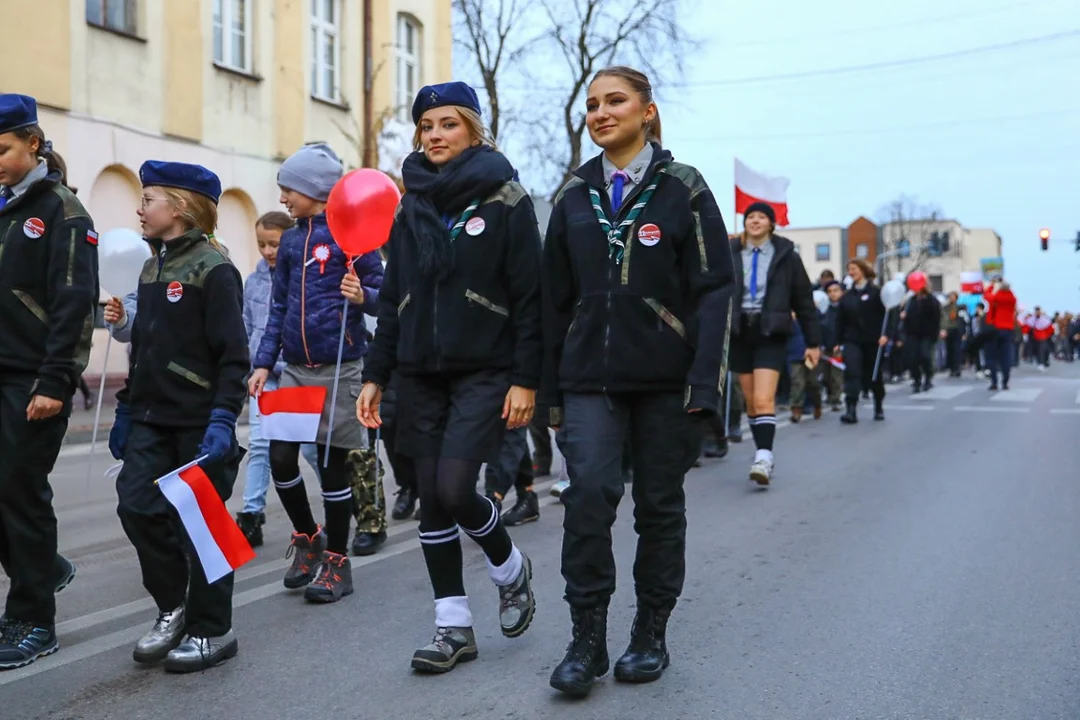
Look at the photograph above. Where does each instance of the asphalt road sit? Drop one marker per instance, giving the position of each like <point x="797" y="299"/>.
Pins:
<point x="922" y="568"/>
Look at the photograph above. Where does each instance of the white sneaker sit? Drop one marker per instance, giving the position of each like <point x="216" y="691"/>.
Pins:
<point x="558" y="487"/>
<point x="761" y="472"/>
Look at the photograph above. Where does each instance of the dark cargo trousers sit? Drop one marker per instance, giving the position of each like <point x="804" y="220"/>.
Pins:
<point x="664" y="442"/>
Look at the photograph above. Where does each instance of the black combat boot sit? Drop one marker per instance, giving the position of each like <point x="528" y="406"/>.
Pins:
<point x="879" y="410"/>
<point x="586" y="656"/>
<point x="647" y="657"/>
<point x="851" y="416"/>
<point x="251" y="525"/>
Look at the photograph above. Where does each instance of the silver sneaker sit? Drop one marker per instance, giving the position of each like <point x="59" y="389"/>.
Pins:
<point x="200" y="653"/>
<point x="517" y="605"/>
<point x="761" y="472"/>
<point x="450" y="646"/>
<point x="166" y="634"/>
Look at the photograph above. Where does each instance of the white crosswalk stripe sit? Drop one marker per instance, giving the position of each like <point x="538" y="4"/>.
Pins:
<point x="1078" y="397"/>
<point x="942" y="392"/>
<point x="1017" y="395"/>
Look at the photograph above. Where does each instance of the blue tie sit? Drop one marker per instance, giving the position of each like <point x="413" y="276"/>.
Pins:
<point x="618" y="181"/>
<point x="4" y="192"/>
<point x="753" y="273"/>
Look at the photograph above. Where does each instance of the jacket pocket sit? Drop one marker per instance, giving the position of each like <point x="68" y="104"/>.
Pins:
<point x="667" y="317"/>
<point x="32" y="305"/>
<point x="189" y="375"/>
<point x="484" y="302"/>
<point x="404" y="303"/>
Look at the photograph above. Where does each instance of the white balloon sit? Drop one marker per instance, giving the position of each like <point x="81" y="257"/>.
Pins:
<point x="821" y="300"/>
<point x="848" y="281"/>
<point x="121" y="256"/>
<point x="900" y="278"/>
<point x="892" y="294"/>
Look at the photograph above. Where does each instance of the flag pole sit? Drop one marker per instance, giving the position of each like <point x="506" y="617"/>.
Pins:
<point x="97" y="412"/>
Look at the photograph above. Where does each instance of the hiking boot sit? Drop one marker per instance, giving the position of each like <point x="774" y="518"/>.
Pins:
<point x="166" y="634"/>
<point x="715" y="449"/>
<point x="22" y="643"/>
<point x="65" y="572"/>
<point x="306" y="552"/>
<point x="517" y="604"/>
<point x="333" y="581"/>
<point x="796" y="414"/>
<point x="526" y="509"/>
<point x="586" y="657"/>
<point x="251" y="525"/>
<point x="404" y="505"/>
<point x="761" y="472"/>
<point x="817" y="412"/>
<point x="450" y="646"/>
<point x="852" y="415"/>
<point x="647" y="657"/>
<point x="366" y="543"/>
<point x="200" y="653"/>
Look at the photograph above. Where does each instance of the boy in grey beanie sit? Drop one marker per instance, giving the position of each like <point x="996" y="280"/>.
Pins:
<point x="313" y="170"/>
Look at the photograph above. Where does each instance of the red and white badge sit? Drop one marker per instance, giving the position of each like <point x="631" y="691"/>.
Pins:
<point x="174" y="292"/>
<point x="92" y="237"/>
<point x="33" y="228"/>
<point x="475" y="226"/>
<point x="321" y="254"/>
<point x="648" y="235"/>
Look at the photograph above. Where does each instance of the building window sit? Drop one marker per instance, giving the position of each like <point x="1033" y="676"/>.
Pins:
<point x="232" y="34"/>
<point x="821" y="252"/>
<point x="118" y="15"/>
<point x="408" y="64"/>
<point x="325" y="49"/>
<point x="935" y="283"/>
<point x="862" y="251"/>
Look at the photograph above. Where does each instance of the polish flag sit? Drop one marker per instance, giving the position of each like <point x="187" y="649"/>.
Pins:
<point x="971" y="283"/>
<point x="751" y="187"/>
<point x="292" y="414"/>
<point x="218" y="541"/>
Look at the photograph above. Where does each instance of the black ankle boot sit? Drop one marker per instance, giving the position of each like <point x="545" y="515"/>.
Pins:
<point x="879" y="410"/>
<point x="586" y="656"/>
<point x="851" y="416"/>
<point x="647" y="657"/>
<point x="251" y="525"/>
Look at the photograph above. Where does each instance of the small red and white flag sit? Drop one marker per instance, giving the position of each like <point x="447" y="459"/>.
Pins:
<point x="218" y="541"/>
<point x="292" y="414"/>
<point x="751" y="187"/>
<point x="971" y="283"/>
<point x="836" y="362"/>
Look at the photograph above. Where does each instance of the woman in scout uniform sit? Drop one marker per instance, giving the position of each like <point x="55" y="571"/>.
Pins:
<point x="460" y="319"/>
<point x="48" y="294"/>
<point x="304" y="328"/>
<point x="637" y="285"/>
<point x="184" y="390"/>
<point x="771" y="283"/>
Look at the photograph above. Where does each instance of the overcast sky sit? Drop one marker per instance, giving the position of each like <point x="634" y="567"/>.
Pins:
<point x="991" y="137"/>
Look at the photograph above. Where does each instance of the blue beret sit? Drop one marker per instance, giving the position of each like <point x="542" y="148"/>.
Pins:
<point x="17" y="111"/>
<point x="195" y="178"/>
<point x="451" y="93"/>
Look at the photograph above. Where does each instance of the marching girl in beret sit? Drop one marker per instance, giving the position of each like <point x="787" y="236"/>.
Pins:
<point x="771" y="284"/>
<point x="48" y="296"/>
<point x="637" y="285"/>
<point x="459" y="318"/>
<point x="184" y="391"/>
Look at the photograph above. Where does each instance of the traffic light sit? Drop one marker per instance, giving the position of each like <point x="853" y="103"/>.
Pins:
<point x="1044" y="238"/>
<point x="1077" y="241"/>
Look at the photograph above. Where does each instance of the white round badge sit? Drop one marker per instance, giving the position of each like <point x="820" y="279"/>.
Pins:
<point x="648" y="235"/>
<point x="475" y="226"/>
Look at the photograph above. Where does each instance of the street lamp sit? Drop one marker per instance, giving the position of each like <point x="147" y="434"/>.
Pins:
<point x="1044" y="238"/>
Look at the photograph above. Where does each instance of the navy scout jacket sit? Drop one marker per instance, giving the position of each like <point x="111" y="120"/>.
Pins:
<point x="658" y="320"/>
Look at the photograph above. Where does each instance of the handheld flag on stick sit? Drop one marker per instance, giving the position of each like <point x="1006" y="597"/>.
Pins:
<point x="292" y="414"/>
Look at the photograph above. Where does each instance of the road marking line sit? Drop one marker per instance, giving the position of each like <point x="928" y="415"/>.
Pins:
<point x="941" y="393"/>
<point x="991" y="409"/>
<point x="1017" y="395"/>
<point x="887" y="407"/>
<point x="1078" y="397"/>
<point x="1065" y="411"/>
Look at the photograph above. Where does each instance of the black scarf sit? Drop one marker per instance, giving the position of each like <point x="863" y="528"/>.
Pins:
<point x="431" y="194"/>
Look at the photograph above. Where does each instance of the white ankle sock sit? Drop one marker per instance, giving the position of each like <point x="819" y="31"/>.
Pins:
<point x="453" y="612"/>
<point x="765" y="455"/>
<point x="507" y="572"/>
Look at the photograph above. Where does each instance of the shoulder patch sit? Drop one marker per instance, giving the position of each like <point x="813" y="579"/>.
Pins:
<point x="509" y="194"/>
<point x="570" y="184"/>
<point x="689" y="176"/>
<point x="72" y="207"/>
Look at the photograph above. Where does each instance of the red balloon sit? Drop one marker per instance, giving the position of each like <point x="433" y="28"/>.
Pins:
<point x="916" y="281"/>
<point x="360" y="210"/>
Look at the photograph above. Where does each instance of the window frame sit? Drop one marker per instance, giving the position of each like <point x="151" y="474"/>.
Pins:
<point x="817" y="252"/>
<point x="321" y="29"/>
<point x="131" y="16"/>
<point x="862" y="251"/>
<point x="413" y="60"/>
<point x="225" y="61"/>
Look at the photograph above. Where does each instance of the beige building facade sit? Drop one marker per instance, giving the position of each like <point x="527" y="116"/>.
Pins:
<point x="966" y="248"/>
<point x="235" y="85"/>
<point x="821" y="248"/>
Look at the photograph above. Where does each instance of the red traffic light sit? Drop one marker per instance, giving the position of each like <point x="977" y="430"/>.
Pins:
<point x="1044" y="238"/>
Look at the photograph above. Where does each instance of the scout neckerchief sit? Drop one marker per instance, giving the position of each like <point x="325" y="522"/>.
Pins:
<point x="615" y="233"/>
<point x="455" y="228"/>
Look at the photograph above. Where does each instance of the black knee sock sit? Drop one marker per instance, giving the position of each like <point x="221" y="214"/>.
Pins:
<point x="763" y="428"/>
<point x="492" y="536"/>
<point x="295" y="501"/>
<point x="337" y="500"/>
<point x="476" y="515"/>
<point x="442" y="555"/>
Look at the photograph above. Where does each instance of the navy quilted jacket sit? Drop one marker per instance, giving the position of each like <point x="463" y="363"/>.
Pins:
<point x="305" y="311"/>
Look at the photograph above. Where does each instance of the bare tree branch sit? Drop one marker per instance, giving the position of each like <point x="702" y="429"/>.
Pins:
<point x="911" y="224"/>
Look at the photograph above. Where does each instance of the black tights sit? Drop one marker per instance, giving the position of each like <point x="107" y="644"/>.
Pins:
<point x="336" y="492"/>
<point x="448" y="500"/>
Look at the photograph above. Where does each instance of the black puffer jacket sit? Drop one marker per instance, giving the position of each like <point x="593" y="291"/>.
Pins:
<point x="787" y="288"/>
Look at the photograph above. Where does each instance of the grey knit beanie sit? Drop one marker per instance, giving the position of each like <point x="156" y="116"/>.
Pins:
<point x="313" y="170"/>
